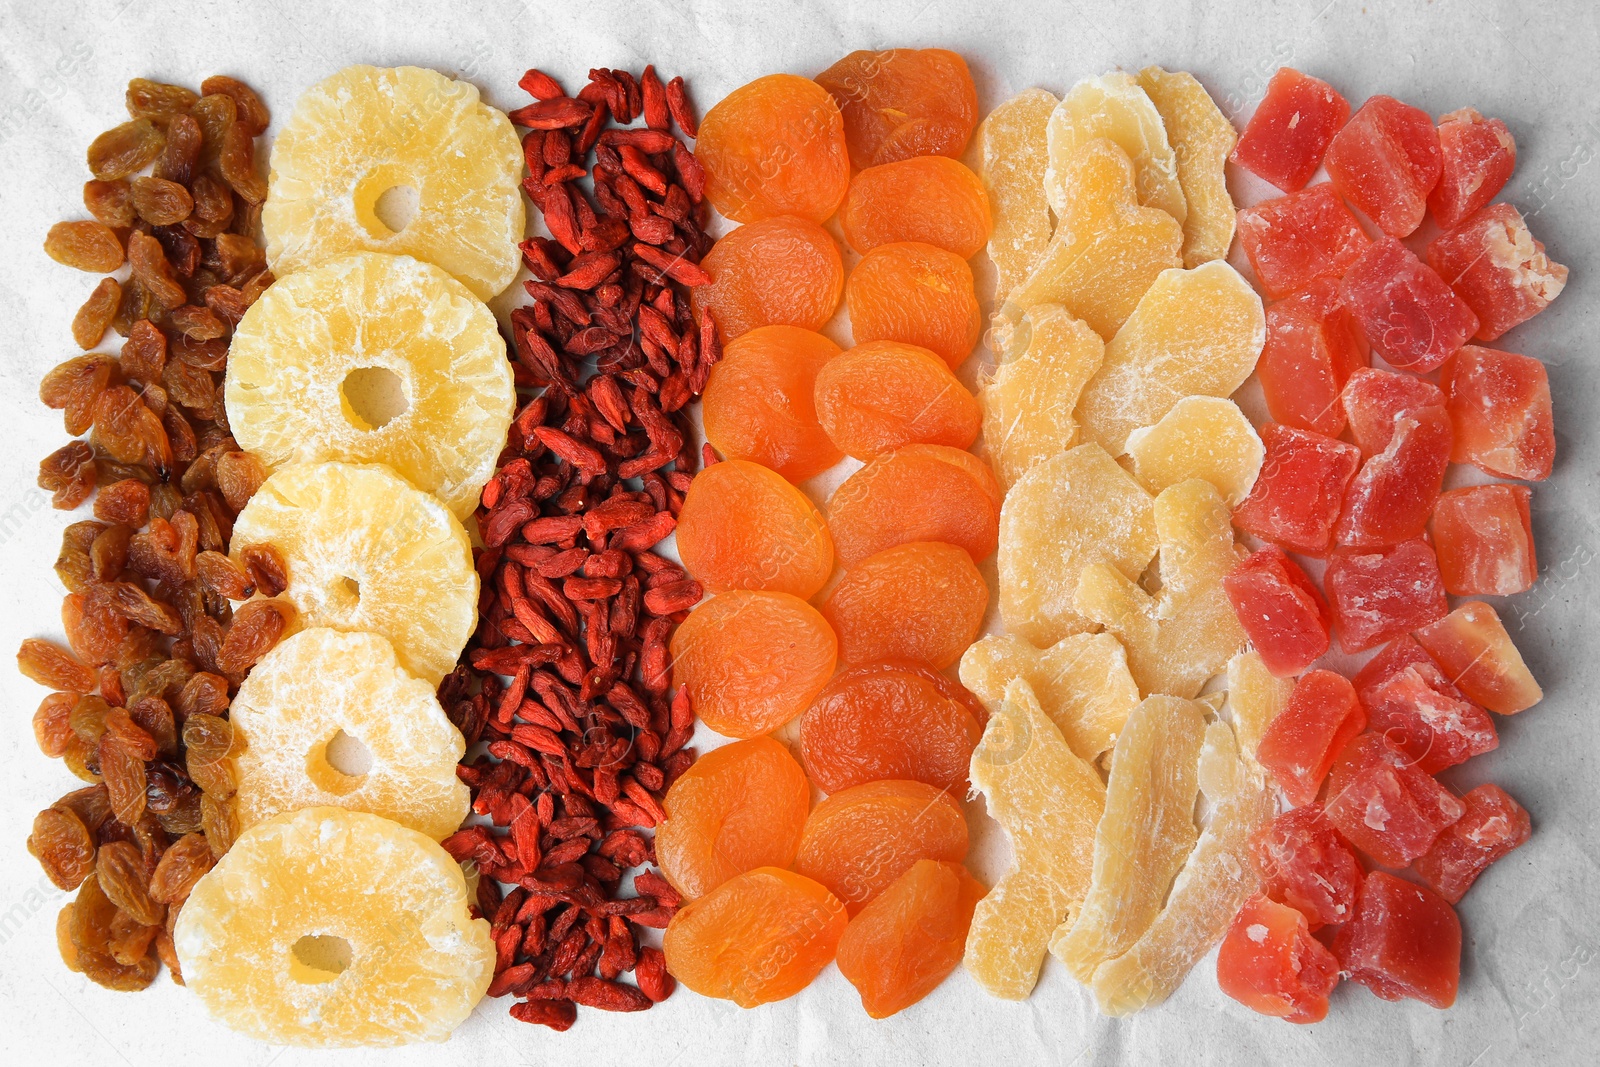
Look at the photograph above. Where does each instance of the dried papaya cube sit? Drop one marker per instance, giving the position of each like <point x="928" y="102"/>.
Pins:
<point x="903" y="102"/>
<point x="1304" y="863"/>
<point x="780" y="541"/>
<point x="1384" y="804"/>
<point x="759" y="405"/>
<point x="1412" y="318"/>
<point x="1494" y="264"/>
<point x="913" y="292"/>
<point x="1269" y="962"/>
<point x="1499" y="405"/>
<point x="1013" y="153"/>
<point x="1395" y="657"/>
<point x="921" y="601"/>
<point x="859" y="840"/>
<point x="1201" y="137"/>
<point x="903" y="944"/>
<point x="916" y="493"/>
<point x="1028" y="406"/>
<point x="1299" y="493"/>
<point x="1290" y="131"/>
<point x="775" y="146"/>
<point x="1313" y="347"/>
<point x="931" y="199"/>
<point x="1281" y="610"/>
<point x="746" y="263"/>
<point x="1392" y="495"/>
<point x="1115" y="107"/>
<point x="1386" y="161"/>
<point x="1405" y="942"/>
<point x="1374" y="401"/>
<point x="1483" y="535"/>
<point x="1492" y="826"/>
<point x="1204" y="437"/>
<point x="1300" y="237"/>
<point x="1478" y="156"/>
<point x="882" y="395"/>
<point x="1377" y="595"/>
<point x="1473" y="649"/>
<point x="1322" y="716"/>
<point x="1423" y="715"/>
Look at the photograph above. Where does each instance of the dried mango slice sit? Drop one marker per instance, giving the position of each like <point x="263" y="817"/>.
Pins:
<point x="1082" y="682"/>
<point x="1012" y="156"/>
<point x="1115" y="107"/>
<point x="1049" y="802"/>
<point x="1207" y="893"/>
<point x="1145" y="836"/>
<point x="1187" y="632"/>
<point x="1201" y="437"/>
<point x="1195" y="332"/>
<point x="1107" y="250"/>
<point x="1028" y="406"/>
<point x="1070" y="511"/>
<point x="1201" y="137"/>
<point x="1255" y="696"/>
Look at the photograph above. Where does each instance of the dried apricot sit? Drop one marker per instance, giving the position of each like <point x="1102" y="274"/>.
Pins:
<point x="774" y="147"/>
<point x="903" y="102"/>
<point x="916" y="293"/>
<point x="758" y="403"/>
<point x="930" y="199"/>
<point x="781" y="271"/>
<point x="911" y="937"/>
<point x="743" y="527"/>
<point x="917" y="493"/>
<point x="860" y="839"/>
<point x="920" y="601"/>
<point x="881" y="395"/>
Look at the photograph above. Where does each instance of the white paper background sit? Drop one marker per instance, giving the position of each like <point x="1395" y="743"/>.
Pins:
<point x="1530" y="976"/>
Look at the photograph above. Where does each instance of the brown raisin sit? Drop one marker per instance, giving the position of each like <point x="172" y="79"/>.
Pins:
<point x="68" y="474"/>
<point x="205" y="355"/>
<point x="52" y="725"/>
<point x="123" y="772"/>
<point x="112" y="470"/>
<point x="91" y="804"/>
<point x="128" y="431"/>
<point x="180" y="813"/>
<point x="126" y="502"/>
<point x="136" y="305"/>
<point x="84" y="245"/>
<point x="180" y="868"/>
<point x="237" y="165"/>
<point x="158" y="101"/>
<point x="144" y="353"/>
<point x="89" y="325"/>
<point x="94" y="630"/>
<point x="182" y="151"/>
<point x="190" y="386"/>
<point x="139" y="741"/>
<point x="161" y="202"/>
<point x="239" y="475"/>
<point x="134" y="604"/>
<point x="63" y="847"/>
<point x="255" y="287"/>
<point x="82" y="759"/>
<point x="167" y="549"/>
<point x="252" y="113"/>
<point x="73" y="386"/>
<point x="181" y="436"/>
<point x="256" y="628"/>
<point x="204" y="694"/>
<point x="218" y="819"/>
<point x="208" y="743"/>
<point x="120" y="869"/>
<point x="110" y="202"/>
<point x="148" y="259"/>
<point x="215" y="113"/>
<point x="267" y="568"/>
<point x="223" y="577"/>
<point x="131" y="940"/>
<point x="211" y="513"/>
<point x="182" y="249"/>
<point x="88" y="718"/>
<point x="198" y="323"/>
<point x="53" y="667"/>
<point x="124" y="150"/>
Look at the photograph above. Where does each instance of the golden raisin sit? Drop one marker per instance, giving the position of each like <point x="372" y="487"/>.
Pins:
<point x="125" y="149"/>
<point x="94" y="317"/>
<point x="110" y="202"/>
<point x="161" y="202"/>
<point x="84" y="245"/>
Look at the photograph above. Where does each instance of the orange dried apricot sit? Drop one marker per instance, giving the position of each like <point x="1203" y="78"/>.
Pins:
<point x="743" y="527"/>
<point x="740" y="807"/>
<point x="759" y="404"/>
<point x="916" y="493"/>
<point x="903" y="102"/>
<point x="930" y="199"/>
<point x="782" y="271"/>
<point x="774" y="147"/>
<point x="760" y="937"/>
<point x="753" y="660"/>
<point x="881" y="395"/>
<point x="914" y="292"/>
<point x="890" y="720"/>
<point x="861" y="839"/>
<point x="908" y="940"/>
<point x="921" y="601"/>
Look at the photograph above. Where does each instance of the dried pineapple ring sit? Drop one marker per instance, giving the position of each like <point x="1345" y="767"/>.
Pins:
<point x="367" y="130"/>
<point x="320" y="686"/>
<point x="321" y="363"/>
<point x="328" y="928"/>
<point x="368" y="552"/>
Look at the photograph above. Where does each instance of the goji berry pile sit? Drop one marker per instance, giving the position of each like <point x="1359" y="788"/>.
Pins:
<point x="576" y="610"/>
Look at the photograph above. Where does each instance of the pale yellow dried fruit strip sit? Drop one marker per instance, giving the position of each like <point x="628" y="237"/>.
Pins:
<point x="1114" y="106"/>
<point x="1201" y="437"/>
<point x="1011" y="157"/>
<point x="1201" y="137"/>
<point x="1255" y="697"/>
<point x="1045" y="361"/>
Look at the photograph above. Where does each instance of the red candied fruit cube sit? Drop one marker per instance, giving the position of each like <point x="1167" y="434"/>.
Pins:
<point x="1384" y="804"/>
<point x="1378" y="594"/>
<point x="1411" y="317"/>
<point x="1499" y="405"/>
<point x="1392" y="495"/>
<point x="1405" y="941"/>
<point x="1297" y="497"/>
<point x="1304" y="739"/>
<point x="1304" y="863"/>
<point x="1313" y="346"/>
<point x="1494" y="264"/>
<point x="1472" y="648"/>
<point x="1374" y="400"/>
<point x="1478" y="157"/>
<point x="1269" y="962"/>
<point x="1386" y="161"/>
<point x="1396" y="656"/>
<point x="1419" y="712"/>
<point x="1285" y="139"/>
<point x="1280" y="609"/>
<point x="1483" y="536"/>
<point x="1493" y="825"/>
<point x="1295" y="238"/>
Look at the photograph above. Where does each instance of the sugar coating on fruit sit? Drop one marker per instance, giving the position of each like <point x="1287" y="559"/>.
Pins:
<point x="774" y="146"/>
<point x="1419" y="712"/>
<point x="338" y="153"/>
<point x="1473" y="649"/>
<point x="931" y="199"/>
<point x="1144" y="836"/>
<point x="1408" y="313"/>
<point x="1391" y="496"/>
<point x="1049" y="802"/>
<point x="1082" y="682"/>
<point x="1270" y="963"/>
<point x="1013" y="155"/>
<point x="778" y="271"/>
<point x="1483" y="535"/>
<point x="1299" y="493"/>
<point x="1492" y="826"/>
<point x="916" y="293"/>
<point x="1029" y="404"/>
<point x="1290" y="130"/>
<point x="1281" y="609"/>
<point x="1201" y="138"/>
<point x="1313" y="348"/>
<point x="780" y="542"/>
<point x="752" y="660"/>
<point x="372" y="358"/>
<point x="1378" y="594"/>
<point x="1478" y="156"/>
<point x="1115" y="107"/>
<point x="1384" y="804"/>
<point x="1375" y="400"/>
<point x="1493" y="262"/>
<point x="367" y="552"/>
<point x="1385" y="161"/>
<point x="327" y="928"/>
<point x="1204" y="437"/>
<point x="1076" y="509"/>
<point x="322" y="686"/>
<point x="1499" y="405"/>
<point x="1186" y="633"/>
<point x="1301" y="743"/>
<point x="916" y="493"/>
<point x="1160" y="356"/>
<point x="903" y="102"/>
<point x="922" y="601"/>
<point x="1255" y="697"/>
<point x="1107" y="249"/>
<point x="758" y="403"/>
<point x="1304" y="863"/>
<point x="1295" y="239"/>
<point x="1405" y="942"/>
<point x="881" y="395"/>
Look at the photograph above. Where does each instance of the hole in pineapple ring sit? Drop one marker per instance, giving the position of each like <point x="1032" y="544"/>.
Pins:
<point x="339" y="765"/>
<point x="386" y="200"/>
<point x="373" y="397"/>
<point x="396" y="206"/>
<point x="318" y="958"/>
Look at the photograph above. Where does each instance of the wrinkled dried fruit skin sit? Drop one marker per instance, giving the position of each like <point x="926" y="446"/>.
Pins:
<point x="879" y="396"/>
<point x="903" y="102"/>
<point x="63" y="846"/>
<point x="89" y="246"/>
<point x="859" y="840"/>
<point x="89" y="325"/>
<point x="779" y="271"/>
<point x="918" y="294"/>
<point x="929" y="199"/>
<point x="922" y="601"/>
<point x="758" y="403"/>
<point x="898" y="950"/>
<point x="780" y="544"/>
<point x="916" y="493"/>
<point x="125" y="150"/>
<point x="775" y="146"/>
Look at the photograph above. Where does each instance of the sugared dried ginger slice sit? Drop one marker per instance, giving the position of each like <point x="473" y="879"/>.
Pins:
<point x="1012" y="155"/>
<point x="1255" y="696"/>
<point x="1201" y="138"/>
<point x="1115" y="107"/>
<point x="1204" y="437"/>
<point x="1047" y="359"/>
